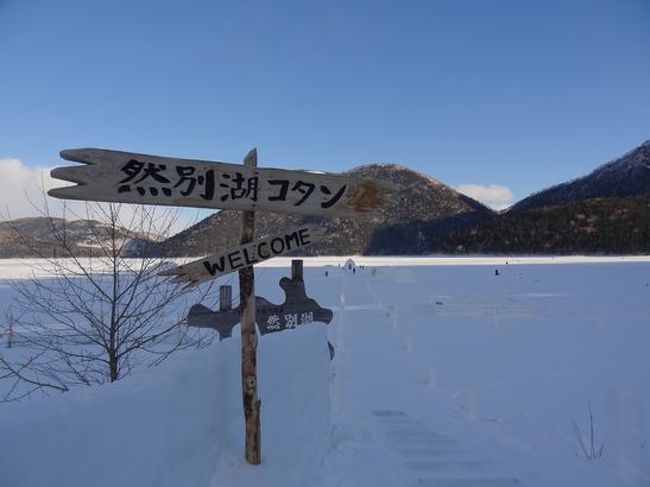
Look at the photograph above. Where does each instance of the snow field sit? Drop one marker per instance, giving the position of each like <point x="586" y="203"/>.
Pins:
<point x="443" y="375"/>
<point x="498" y="364"/>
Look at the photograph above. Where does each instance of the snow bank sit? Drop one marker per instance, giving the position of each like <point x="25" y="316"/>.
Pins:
<point x="293" y="374"/>
<point x="178" y="424"/>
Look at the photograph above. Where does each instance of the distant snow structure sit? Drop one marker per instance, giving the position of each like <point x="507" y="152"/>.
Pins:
<point x="350" y="266"/>
<point x="331" y="269"/>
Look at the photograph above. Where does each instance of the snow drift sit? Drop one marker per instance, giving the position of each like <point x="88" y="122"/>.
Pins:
<point x="178" y="424"/>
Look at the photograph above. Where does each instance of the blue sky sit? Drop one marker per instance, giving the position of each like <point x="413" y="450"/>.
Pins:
<point x="518" y="94"/>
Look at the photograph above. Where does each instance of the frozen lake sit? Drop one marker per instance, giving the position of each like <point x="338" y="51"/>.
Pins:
<point x="446" y="373"/>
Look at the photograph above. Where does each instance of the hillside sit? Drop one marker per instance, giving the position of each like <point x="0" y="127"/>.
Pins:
<point x="592" y="226"/>
<point x="421" y="199"/>
<point x="42" y="237"/>
<point x="606" y="211"/>
<point x="626" y="176"/>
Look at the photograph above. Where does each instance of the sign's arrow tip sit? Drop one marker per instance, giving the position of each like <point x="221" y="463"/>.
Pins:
<point x="57" y="193"/>
<point x="77" y="155"/>
<point x="68" y="173"/>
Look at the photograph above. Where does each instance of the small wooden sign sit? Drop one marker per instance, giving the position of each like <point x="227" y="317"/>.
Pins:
<point x="246" y="255"/>
<point x="297" y="309"/>
<point x="126" y="177"/>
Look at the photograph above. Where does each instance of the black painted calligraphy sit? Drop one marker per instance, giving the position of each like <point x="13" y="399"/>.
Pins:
<point x="142" y="177"/>
<point x="177" y="181"/>
<point x="238" y="187"/>
<point x="190" y="181"/>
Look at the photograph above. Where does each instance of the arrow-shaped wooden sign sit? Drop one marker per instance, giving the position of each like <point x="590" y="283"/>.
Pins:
<point x="126" y="177"/>
<point x="246" y="255"/>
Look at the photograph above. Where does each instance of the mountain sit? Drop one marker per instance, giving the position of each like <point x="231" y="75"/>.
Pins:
<point x="626" y="176"/>
<point x="605" y="212"/>
<point x="591" y="226"/>
<point x="420" y="199"/>
<point x="41" y="237"/>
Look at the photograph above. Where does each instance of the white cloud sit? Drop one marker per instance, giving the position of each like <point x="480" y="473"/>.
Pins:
<point x="20" y="184"/>
<point x="493" y="195"/>
<point x="23" y="194"/>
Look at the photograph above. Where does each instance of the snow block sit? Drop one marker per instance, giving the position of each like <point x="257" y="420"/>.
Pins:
<point x="178" y="424"/>
<point x="293" y="381"/>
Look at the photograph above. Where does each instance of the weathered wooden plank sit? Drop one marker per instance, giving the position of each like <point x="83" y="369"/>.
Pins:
<point x="233" y="259"/>
<point x="127" y="177"/>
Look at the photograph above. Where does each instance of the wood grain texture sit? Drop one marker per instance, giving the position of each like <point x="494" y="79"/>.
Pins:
<point x="250" y="400"/>
<point x="126" y="177"/>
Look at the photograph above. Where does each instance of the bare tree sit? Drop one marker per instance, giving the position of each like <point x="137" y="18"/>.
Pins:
<point x="588" y="448"/>
<point x="100" y="313"/>
<point x="9" y="327"/>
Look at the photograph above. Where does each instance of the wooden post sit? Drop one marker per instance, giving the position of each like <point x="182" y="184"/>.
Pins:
<point x="225" y="304"/>
<point x="251" y="403"/>
<point x="225" y="298"/>
<point x="296" y="269"/>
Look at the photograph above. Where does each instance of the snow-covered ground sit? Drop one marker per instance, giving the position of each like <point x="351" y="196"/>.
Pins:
<point x="445" y="374"/>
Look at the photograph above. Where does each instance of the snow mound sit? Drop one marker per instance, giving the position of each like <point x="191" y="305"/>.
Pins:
<point x="178" y="424"/>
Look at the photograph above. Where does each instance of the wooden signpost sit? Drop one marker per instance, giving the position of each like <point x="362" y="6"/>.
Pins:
<point x="248" y="254"/>
<point x="125" y="177"/>
<point x="250" y="399"/>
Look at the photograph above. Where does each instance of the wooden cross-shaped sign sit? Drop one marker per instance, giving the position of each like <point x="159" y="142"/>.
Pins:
<point x="126" y="177"/>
